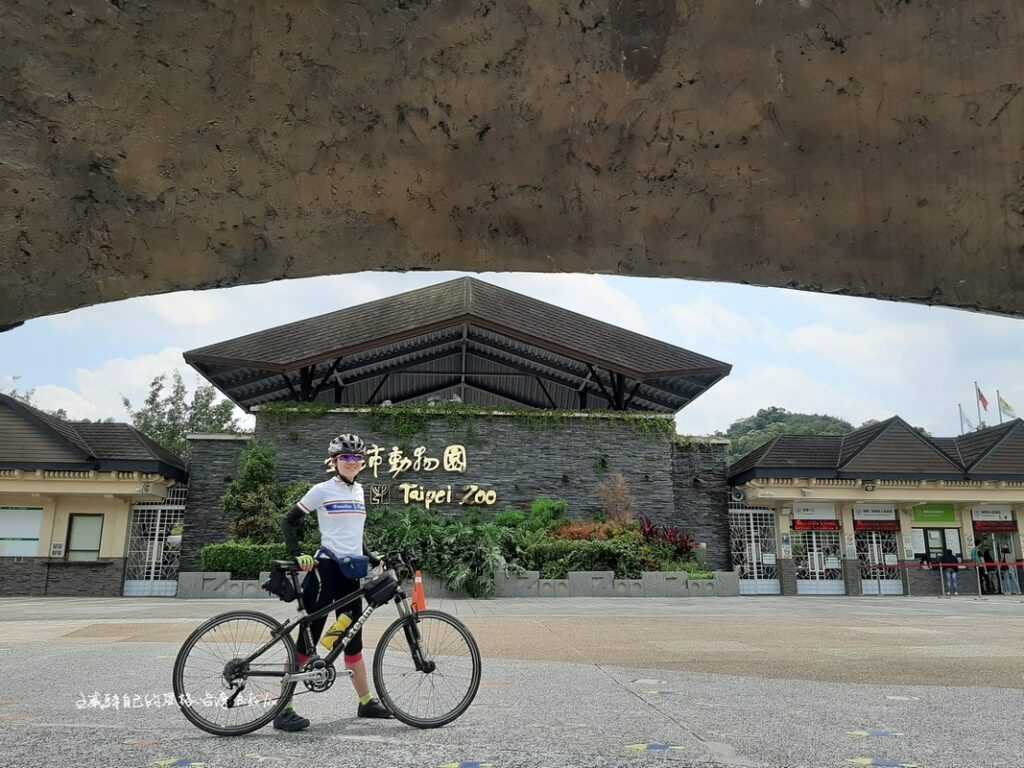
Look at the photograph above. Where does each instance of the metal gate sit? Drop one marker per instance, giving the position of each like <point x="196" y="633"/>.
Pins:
<point x="152" y="567"/>
<point x="752" y="537"/>
<point x="819" y="563"/>
<point x="878" y="553"/>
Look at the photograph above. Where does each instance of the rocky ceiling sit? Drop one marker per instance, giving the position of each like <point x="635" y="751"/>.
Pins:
<point x="870" y="147"/>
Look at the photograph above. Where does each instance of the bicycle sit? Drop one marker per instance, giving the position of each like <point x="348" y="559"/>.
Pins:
<point x="445" y="666"/>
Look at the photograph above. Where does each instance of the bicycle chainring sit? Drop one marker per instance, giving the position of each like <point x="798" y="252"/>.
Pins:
<point x="325" y="677"/>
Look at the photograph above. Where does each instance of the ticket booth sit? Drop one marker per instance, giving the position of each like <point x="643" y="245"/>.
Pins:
<point x="876" y="531"/>
<point x="996" y="538"/>
<point x="817" y="549"/>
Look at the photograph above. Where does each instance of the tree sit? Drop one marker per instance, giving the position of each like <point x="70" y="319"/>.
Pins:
<point x="257" y="503"/>
<point x="747" y="434"/>
<point x="167" y="416"/>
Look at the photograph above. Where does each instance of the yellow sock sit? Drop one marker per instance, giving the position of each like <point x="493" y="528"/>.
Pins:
<point x="366" y="699"/>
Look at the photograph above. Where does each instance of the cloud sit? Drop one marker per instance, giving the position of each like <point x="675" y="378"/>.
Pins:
<point x="590" y="295"/>
<point x="97" y="392"/>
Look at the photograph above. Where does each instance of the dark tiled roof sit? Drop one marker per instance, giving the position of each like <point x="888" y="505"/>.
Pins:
<point x="102" y="446"/>
<point x="890" y="448"/>
<point x="976" y="444"/>
<point x="54" y="424"/>
<point x="899" y="448"/>
<point x="751" y="459"/>
<point x="950" y="447"/>
<point x="856" y="440"/>
<point x="123" y="441"/>
<point x="336" y="333"/>
<point x="1005" y="457"/>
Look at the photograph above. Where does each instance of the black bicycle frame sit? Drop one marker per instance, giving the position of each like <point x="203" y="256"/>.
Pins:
<point x="339" y="646"/>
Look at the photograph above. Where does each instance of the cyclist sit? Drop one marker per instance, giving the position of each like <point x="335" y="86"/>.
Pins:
<point x="341" y="512"/>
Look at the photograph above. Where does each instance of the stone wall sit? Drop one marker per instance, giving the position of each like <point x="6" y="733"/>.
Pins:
<point x="700" y="490"/>
<point x="519" y="458"/>
<point x="40" y="576"/>
<point x="212" y="466"/>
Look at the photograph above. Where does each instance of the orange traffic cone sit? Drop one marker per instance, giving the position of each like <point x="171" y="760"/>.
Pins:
<point x="419" y="598"/>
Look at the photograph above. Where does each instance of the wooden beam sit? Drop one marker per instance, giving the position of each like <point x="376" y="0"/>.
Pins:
<point x="380" y="384"/>
<point x="330" y="372"/>
<point x="632" y="392"/>
<point x="597" y="380"/>
<point x="546" y="393"/>
<point x="295" y="395"/>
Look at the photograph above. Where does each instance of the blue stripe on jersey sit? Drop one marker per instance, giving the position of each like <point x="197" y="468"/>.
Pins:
<point x="344" y="507"/>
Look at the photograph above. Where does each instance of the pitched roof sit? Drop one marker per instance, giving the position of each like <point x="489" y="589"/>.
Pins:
<point x="337" y="333"/>
<point x="856" y="440"/>
<point x="890" y="448"/>
<point x="1005" y="456"/>
<point x="74" y="444"/>
<point x="898" y="447"/>
<point x="463" y="328"/>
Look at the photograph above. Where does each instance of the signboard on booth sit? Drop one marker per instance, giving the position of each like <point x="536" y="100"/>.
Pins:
<point x="993" y="514"/>
<point x="815" y="525"/>
<point x="814" y="511"/>
<point x="874" y="512"/>
<point x="935" y="514"/>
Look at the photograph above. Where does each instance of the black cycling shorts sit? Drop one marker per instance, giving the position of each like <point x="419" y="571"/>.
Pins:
<point x="321" y="587"/>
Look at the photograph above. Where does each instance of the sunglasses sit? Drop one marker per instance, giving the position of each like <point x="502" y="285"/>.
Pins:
<point x="351" y="458"/>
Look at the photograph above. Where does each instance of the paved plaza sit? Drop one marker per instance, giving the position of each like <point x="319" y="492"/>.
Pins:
<point x="925" y="682"/>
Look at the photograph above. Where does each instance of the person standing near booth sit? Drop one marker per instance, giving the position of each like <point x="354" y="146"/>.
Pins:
<point x="1008" y="574"/>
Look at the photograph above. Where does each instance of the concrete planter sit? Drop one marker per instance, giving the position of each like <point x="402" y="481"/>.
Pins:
<point x="218" y="584"/>
<point x="213" y="584"/>
<point x="604" y="584"/>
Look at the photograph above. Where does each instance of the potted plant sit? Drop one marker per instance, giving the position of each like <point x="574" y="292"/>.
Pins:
<point x="174" y="539"/>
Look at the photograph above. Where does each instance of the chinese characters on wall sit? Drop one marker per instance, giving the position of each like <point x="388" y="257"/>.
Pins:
<point x="453" y="459"/>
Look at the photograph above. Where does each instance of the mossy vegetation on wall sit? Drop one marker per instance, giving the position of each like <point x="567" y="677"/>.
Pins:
<point x="407" y="421"/>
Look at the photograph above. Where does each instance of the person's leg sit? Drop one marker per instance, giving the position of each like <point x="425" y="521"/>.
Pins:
<point x="316" y="593"/>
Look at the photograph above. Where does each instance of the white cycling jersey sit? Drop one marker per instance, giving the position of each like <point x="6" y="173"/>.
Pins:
<point x="341" y="513"/>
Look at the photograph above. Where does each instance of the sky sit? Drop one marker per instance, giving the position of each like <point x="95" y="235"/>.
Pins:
<point x="854" y="358"/>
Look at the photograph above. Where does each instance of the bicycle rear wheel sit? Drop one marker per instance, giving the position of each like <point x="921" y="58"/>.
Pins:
<point x="427" y="699"/>
<point x="206" y="677"/>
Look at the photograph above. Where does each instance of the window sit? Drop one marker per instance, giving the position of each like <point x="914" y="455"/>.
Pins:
<point x="84" y="534"/>
<point x="933" y="542"/>
<point x="19" y="531"/>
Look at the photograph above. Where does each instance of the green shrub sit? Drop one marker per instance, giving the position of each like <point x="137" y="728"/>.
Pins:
<point x="255" y="500"/>
<point x="546" y="513"/>
<point x="244" y="560"/>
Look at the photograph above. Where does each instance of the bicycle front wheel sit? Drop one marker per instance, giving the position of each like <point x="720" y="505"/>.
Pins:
<point x="215" y="690"/>
<point x="420" y="698"/>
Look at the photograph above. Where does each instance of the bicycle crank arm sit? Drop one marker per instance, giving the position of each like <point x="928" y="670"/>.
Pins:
<point x="315" y="676"/>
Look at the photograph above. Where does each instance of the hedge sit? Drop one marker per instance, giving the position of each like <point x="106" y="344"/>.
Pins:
<point x="243" y="560"/>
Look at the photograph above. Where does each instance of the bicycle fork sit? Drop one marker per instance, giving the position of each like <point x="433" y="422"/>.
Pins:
<point x="412" y="636"/>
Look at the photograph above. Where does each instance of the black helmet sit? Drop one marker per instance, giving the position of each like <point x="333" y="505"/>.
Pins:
<point x="346" y="443"/>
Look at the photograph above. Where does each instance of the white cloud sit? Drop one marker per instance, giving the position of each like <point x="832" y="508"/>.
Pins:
<point x="97" y="392"/>
<point x="590" y="295"/>
<point x="188" y="308"/>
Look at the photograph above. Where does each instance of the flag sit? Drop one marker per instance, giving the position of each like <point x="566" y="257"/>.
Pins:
<point x="968" y="422"/>
<point x="1005" y="407"/>
<point x="981" y="397"/>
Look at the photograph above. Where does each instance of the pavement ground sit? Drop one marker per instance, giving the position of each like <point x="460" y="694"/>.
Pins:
<point x="768" y="681"/>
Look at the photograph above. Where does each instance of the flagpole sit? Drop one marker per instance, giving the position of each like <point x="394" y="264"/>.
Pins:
<point x="977" y="402"/>
<point x="960" y="410"/>
<point x="999" y="405"/>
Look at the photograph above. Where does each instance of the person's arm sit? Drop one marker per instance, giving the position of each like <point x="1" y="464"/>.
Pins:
<point x="370" y="556"/>
<point x="293" y="524"/>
